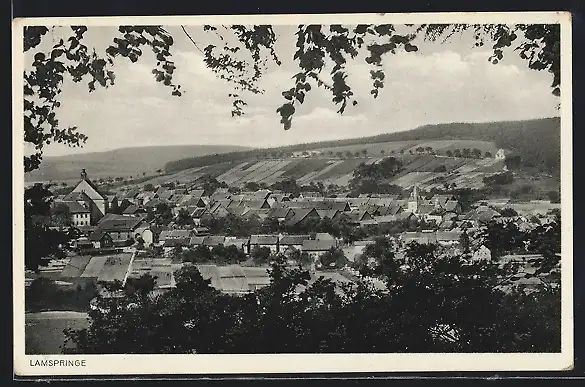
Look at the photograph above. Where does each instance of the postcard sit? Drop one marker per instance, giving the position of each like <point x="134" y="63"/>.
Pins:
<point x="277" y="194"/>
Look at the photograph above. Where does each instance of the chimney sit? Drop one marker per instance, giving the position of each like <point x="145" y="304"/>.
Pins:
<point x="83" y="174"/>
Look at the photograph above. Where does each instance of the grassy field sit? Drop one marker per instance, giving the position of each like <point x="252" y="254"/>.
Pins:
<point x="44" y="331"/>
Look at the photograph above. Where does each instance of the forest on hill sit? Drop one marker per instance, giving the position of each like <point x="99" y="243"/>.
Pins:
<point x="536" y="141"/>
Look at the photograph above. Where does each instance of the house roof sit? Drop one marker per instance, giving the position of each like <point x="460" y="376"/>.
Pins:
<point x="324" y="236"/>
<point x="420" y="237"/>
<point x="318" y="245"/>
<point x="297" y="215"/>
<point x="196" y="240"/>
<point x="450" y="205"/>
<point x="279" y="212"/>
<point x="263" y="240"/>
<point x="76" y="197"/>
<point x="197" y="193"/>
<point x="293" y="239"/>
<point x="76" y="208"/>
<point x="234" y="241"/>
<point x="425" y="209"/>
<point x="254" y="204"/>
<point x="132" y="209"/>
<point x="328" y="213"/>
<point x="97" y="235"/>
<point x="113" y="222"/>
<point x="214" y="240"/>
<point x="448" y="236"/>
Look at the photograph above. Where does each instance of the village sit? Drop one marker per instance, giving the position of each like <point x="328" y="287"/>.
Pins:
<point x="158" y="229"/>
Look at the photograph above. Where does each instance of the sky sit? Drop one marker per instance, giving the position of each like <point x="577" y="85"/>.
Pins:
<point x="440" y="83"/>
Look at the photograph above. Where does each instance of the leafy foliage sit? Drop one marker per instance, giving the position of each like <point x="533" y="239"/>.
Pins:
<point x="319" y="49"/>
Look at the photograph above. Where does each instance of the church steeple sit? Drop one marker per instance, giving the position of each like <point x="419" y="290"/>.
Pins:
<point x="83" y="174"/>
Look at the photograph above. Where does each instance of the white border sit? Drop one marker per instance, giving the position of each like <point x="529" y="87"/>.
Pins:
<point x="301" y="363"/>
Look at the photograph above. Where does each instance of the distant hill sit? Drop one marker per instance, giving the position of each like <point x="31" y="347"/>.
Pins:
<point x="536" y="141"/>
<point x="121" y="162"/>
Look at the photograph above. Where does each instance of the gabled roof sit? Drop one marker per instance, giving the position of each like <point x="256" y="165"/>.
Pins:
<point x="451" y="205"/>
<point x="328" y="213"/>
<point x="425" y="209"/>
<point x="196" y="240"/>
<point x="263" y="240"/>
<point x="318" y="245"/>
<point x="97" y="235"/>
<point x="324" y="236"/>
<point x="132" y="209"/>
<point x="76" y="197"/>
<point x="197" y="193"/>
<point x="234" y="241"/>
<point x="293" y="239"/>
<point x="76" y="208"/>
<point x="113" y="222"/>
<point x="278" y="212"/>
<point x="214" y="240"/>
<point x="255" y="204"/>
<point x="298" y="215"/>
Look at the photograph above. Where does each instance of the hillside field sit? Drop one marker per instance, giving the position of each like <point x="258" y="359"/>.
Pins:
<point x="418" y="169"/>
<point x="124" y="162"/>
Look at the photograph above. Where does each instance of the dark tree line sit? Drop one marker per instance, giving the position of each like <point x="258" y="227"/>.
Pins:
<point x="434" y="304"/>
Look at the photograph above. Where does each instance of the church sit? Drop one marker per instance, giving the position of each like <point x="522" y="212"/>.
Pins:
<point x="86" y="203"/>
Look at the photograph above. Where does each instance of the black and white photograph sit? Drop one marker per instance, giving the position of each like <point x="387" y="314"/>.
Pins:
<point x="335" y="185"/>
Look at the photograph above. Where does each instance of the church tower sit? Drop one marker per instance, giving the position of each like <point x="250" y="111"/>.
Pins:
<point x="413" y="201"/>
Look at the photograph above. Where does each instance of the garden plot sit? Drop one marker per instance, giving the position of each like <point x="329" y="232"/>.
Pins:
<point x="269" y="180"/>
<point x="75" y="266"/>
<point x="306" y="178"/>
<point x="331" y="165"/>
<point x="411" y="179"/>
<point x="227" y="177"/>
<point x="259" y="166"/>
<point x="94" y="267"/>
<point x="343" y="180"/>
<point x="259" y="172"/>
<point x="339" y="170"/>
<point x="115" y="268"/>
<point x="234" y="175"/>
<point x="271" y="171"/>
<point x="303" y="167"/>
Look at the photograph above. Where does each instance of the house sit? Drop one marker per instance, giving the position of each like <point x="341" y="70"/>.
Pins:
<point x="241" y="243"/>
<point x="324" y="236"/>
<point x="261" y="214"/>
<point x="419" y="237"/>
<point x="279" y="213"/>
<point x="360" y="216"/>
<point x="211" y="241"/>
<point x="289" y="242"/>
<point x="352" y="252"/>
<point x="133" y="209"/>
<point x="481" y="254"/>
<point x="414" y="200"/>
<point x="270" y="241"/>
<point x="316" y="248"/>
<point x="441" y="200"/>
<point x="300" y="215"/>
<point x="98" y="202"/>
<point x="331" y="214"/>
<point x="448" y="238"/>
<point x="80" y="214"/>
<point x="145" y="233"/>
<point x="100" y="239"/>
<point x="121" y="228"/>
<point x="196" y="241"/>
